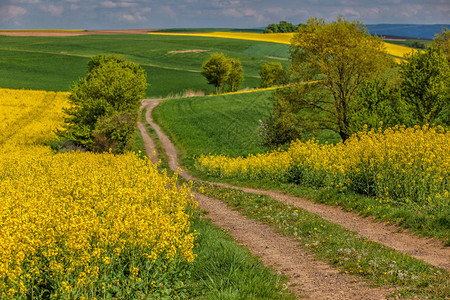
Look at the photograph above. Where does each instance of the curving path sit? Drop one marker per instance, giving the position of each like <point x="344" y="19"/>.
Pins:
<point x="308" y="277"/>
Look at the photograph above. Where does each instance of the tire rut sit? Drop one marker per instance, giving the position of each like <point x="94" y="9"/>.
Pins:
<point x="428" y="250"/>
<point x="307" y="276"/>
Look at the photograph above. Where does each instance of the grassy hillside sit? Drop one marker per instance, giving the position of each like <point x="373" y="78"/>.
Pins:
<point x="219" y="124"/>
<point x="54" y="63"/>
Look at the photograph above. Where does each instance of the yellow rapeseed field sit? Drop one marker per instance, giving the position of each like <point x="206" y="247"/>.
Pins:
<point x="28" y="116"/>
<point x="281" y="38"/>
<point x="401" y="164"/>
<point x="83" y="225"/>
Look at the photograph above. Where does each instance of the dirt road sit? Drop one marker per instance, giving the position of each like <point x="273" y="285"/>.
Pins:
<point x="308" y="277"/>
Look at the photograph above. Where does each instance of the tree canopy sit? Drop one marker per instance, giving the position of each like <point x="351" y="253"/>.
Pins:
<point x="236" y="76"/>
<point x="220" y="70"/>
<point x="271" y="73"/>
<point x="281" y="27"/>
<point x="112" y="85"/>
<point x="425" y="84"/>
<point x="442" y="41"/>
<point x="339" y="56"/>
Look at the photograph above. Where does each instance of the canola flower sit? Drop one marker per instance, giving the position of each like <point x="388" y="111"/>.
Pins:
<point x="397" y="51"/>
<point x="83" y="225"/>
<point x="410" y="165"/>
<point x="73" y="217"/>
<point x="29" y="116"/>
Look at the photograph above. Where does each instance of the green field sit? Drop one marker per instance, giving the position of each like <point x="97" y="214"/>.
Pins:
<point x="203" y="30"/>
<point x="226" y="124"/>
<point x="218" y="125"/>
<point x="54" y="63"/>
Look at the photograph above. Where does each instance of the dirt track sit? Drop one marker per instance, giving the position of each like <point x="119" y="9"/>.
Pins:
<point x="307" y="276"/>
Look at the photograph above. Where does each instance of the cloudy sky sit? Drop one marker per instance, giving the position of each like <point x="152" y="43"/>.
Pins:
<point x="126" y="14"/>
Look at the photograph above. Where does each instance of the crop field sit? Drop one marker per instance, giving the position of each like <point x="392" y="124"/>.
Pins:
<point x="67" y="232"/>
<point x="29" y="117"/>
<point x="59" y="234"/>
<point x="170" y="63"/>
<point x="81" y="225"/>
<point x="397" y="51"/>
<point x="418" y="178"/>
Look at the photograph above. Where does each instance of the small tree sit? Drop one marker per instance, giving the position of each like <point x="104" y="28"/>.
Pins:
<point x="271" y="74"/>
<point x="217" y="70"/>
<point x="425" y="84"/>
<point x="236" y="76"/>
<point x="111" y="85"/>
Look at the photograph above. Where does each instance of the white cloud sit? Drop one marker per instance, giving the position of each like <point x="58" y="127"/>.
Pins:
<point x="137" y="16"/>
<point x="121" y="4"/>
<point x="168" y="12"/>
<point x="12" y="13"/>
<point x="133" y="18"/>
<point x="27" y="1"/>
<point x="54" y="10"/>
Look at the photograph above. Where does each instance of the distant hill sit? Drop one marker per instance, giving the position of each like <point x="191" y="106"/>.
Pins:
<point x="407" y="30"/>
<point x="412" y="31"/>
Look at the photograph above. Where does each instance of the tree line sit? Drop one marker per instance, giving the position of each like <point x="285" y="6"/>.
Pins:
<point x="282" y="27"/>
<point x="342" y="79"/>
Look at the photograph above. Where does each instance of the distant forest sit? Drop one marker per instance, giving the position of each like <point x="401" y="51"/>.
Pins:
<point x="408" y="31"/>
<point x="282" y="27"/>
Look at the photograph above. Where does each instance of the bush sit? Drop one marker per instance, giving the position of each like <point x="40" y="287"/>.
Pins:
<point x="114" y="132"/>
<point x="111" y="85"/>
<point x="271" y="74"/>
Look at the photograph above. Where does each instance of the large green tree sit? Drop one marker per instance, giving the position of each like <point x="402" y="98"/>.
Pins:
<point x="222" y="71"/>
<point x="217" y="70"/>
<point x="111" y="85"/>
<point x="425" y="85"/>
<point x="339" y="55"/>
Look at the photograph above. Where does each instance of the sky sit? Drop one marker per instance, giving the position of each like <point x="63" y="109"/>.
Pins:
<point x="146" y="14"/>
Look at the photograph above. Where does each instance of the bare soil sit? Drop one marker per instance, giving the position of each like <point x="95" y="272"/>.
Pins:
<point x="429" y="250"/>
<point x="308" y="277"/>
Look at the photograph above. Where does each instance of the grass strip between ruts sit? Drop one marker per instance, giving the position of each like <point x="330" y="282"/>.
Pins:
<point x="222" y="269"/>
<point x="334" y="244"/>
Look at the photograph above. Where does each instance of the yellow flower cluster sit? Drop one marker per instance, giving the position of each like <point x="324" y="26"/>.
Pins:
<point x="71" y="217"/>
<point x="28" y="116"/>
<point x="398" y="50"/>
<point x="405" y="164"/>
<point x="280" y="38"/>
<point x="74" y="224"/>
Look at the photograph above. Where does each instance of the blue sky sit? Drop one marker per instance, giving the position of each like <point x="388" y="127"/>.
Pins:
<point x="126" y="14"/>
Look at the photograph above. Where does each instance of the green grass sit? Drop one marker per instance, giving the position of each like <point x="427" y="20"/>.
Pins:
<point x="346" y="250"/>
<point x="219" y="124"/>
<point x="229" y="125"/>
<point x="222" y="269"/>
<point x="331" y="243"/>
<point x="203" y="30"/>
<point x="39" y="71"/>
<point x="54" y="63"/>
